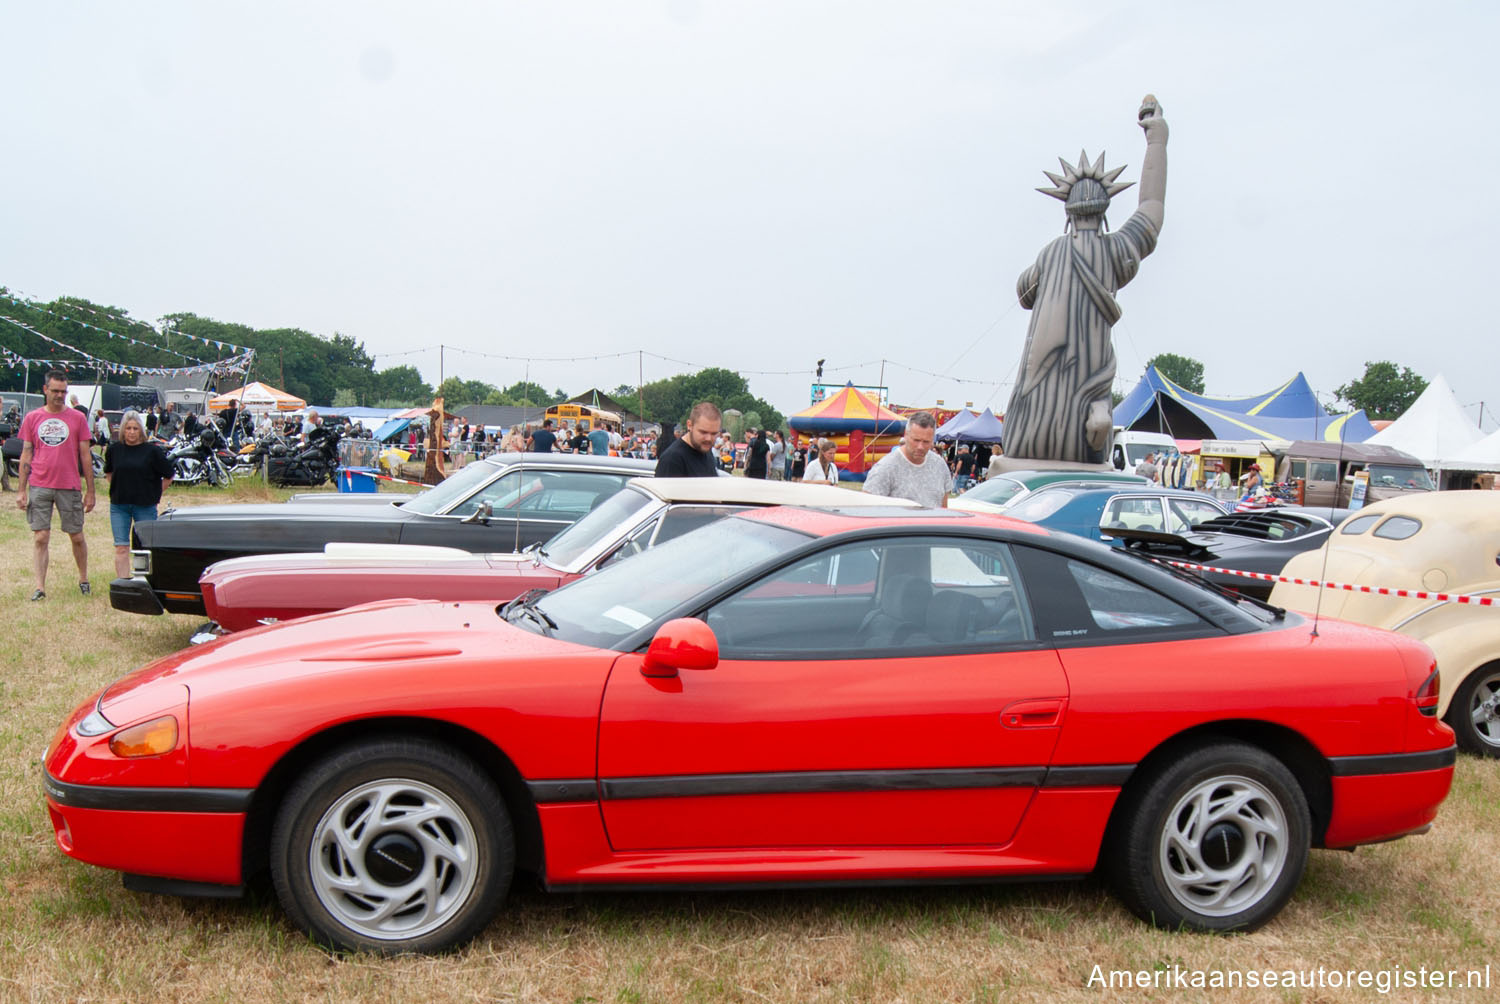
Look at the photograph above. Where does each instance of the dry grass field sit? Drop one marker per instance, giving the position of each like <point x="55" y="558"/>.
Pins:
<point x="71" y="932"/>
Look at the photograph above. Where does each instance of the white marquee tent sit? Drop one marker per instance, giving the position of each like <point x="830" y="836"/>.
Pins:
<point x="1434" y="429"/>
<point x="1482" y="456"/>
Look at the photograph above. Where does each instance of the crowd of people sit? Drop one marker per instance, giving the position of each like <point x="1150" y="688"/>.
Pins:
<point x="465" y="440"/>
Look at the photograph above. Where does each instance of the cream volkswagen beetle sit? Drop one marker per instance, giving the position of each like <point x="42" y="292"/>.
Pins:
<point x="1446" y="542"/>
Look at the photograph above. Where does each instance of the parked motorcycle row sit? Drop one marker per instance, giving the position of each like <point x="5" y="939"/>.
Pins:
<point x="205" y="458"/>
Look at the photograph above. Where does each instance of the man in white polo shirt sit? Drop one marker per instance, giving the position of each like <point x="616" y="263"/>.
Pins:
<point x="913" y="470"/>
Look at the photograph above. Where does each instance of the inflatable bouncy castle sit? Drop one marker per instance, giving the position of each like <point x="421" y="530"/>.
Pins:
<point x="864" y="430"/>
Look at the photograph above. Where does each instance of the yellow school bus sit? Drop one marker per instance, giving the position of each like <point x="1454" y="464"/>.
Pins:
<point x="582" y="415"/>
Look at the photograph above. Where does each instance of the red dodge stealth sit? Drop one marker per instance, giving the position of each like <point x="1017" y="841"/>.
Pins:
<point x="787" y="695"/>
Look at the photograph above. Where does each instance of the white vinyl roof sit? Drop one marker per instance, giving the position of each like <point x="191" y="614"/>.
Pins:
<point x="753" y="491"/>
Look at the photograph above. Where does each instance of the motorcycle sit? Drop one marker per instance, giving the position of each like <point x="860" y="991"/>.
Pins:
<point x="289" y="463"/>
<point x="195" y="458"/>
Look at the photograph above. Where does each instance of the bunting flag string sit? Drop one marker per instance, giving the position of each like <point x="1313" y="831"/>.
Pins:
<point x="30" y="305"/>
<point x="238" y="363"/>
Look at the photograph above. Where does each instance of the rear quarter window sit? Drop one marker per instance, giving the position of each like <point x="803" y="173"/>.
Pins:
<point x="1359" y="524"/>
<point x="1398" y="528"/>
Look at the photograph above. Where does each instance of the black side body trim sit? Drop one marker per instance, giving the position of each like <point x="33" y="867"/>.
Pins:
<point x="1392" y="763"/>
<point x="1091" y="776"/>
<point x="800" y="782"/>
<point x="580" y="790"/>
<point x="758" y="884"/>
<point x="91" y="796"/>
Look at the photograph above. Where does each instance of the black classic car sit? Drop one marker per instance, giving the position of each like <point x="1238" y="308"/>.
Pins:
<point x="1260" y="541"/>
<point x="501" y="503"/>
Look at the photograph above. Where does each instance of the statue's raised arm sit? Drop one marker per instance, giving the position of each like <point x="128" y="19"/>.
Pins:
<point x="1153" y="186"/>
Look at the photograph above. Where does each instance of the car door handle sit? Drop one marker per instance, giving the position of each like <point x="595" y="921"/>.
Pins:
<point x="1033" y="713"/>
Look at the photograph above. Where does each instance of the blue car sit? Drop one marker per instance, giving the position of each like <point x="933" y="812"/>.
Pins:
<point x="1091" y="512"/>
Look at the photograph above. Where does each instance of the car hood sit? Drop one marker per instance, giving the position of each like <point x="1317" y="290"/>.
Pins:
<point x="414" y="633"/>
<point x="278" y="511"/>
<point x="367" y="558"/>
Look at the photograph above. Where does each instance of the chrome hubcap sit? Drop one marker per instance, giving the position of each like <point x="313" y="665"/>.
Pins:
<point x="393" y="859"/>
<point x="1224" y="846"/>
<point x="1484" y="711"/>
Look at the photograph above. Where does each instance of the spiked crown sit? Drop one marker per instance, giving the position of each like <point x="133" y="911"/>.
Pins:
<point x="1085" y="189"/>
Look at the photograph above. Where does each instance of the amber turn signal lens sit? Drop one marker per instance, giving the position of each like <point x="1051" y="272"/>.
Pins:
<point x="151" y="738"/>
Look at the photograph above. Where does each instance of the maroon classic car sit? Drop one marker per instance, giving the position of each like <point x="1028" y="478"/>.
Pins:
<point x="242" y="593"/>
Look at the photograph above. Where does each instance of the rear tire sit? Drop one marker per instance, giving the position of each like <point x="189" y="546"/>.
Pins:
<point x="1474" y="712"/>
<point x="393" y="846"/>
<point x="1216" y="840"/>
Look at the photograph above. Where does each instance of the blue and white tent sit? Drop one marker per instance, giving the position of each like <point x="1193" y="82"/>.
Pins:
<point x="1289" y="412"/>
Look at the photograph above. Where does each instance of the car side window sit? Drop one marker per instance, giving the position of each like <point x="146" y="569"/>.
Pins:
<point x="1398" y="528"/>
<point x="905" y="597"/>
<point x="1090" y="605"/>
<point x="1324" y="471"/>
<point x="1135" y="513"/>
<point x="1359" y="524"/>
<point x="1188" y="513"/>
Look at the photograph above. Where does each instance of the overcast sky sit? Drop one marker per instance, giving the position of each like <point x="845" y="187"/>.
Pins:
<point x="760" y="184"/>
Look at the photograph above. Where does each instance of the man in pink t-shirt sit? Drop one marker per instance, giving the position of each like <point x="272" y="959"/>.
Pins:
<point x="55" y="449"/>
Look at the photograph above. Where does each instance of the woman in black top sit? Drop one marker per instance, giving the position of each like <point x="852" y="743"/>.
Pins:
<point x="755" y="463"/>
<point x="137" y="470"/>
<point x="799" y="462"/>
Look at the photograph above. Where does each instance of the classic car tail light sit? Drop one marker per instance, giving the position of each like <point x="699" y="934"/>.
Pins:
<point x="151" y="738"/>
<point x="1426" y="697"/>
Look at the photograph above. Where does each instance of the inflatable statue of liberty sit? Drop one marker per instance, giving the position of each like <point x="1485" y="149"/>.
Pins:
<point x="1060" y="408"/>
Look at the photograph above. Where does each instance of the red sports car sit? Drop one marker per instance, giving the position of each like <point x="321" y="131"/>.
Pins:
<point x="242" y="593"/>
<point x="786" y="695"/>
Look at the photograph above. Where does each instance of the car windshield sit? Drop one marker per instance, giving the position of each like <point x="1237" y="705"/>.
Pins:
<point x="605" y="608"/>
<point x="611" y="515"/>
<point x="995" y="491"/>
<point x="435" y="500"/>
<point x="1387" y="476"/>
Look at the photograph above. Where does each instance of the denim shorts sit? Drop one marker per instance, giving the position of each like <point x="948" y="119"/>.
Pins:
<point x="122" y="515"/>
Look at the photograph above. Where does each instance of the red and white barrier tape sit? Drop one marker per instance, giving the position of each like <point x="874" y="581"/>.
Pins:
<point x="349" y="478"/>
<point x="1411" y="594"/>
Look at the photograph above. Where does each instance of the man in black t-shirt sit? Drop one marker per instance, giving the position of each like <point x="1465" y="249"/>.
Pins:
<point x="542" y="439"/>
<point x="692" y="455"/>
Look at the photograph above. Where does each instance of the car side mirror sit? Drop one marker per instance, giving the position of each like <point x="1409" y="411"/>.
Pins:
<point x="683" y="643"/>
<point x="481" y="515"/>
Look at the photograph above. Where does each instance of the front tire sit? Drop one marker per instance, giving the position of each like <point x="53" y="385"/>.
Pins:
<point x="1474" y="712"/>
<point x="1214" y="841"/>
<point x="391" y="846"/>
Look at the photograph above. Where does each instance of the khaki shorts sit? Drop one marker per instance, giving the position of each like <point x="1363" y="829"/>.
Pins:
<point x="69" y="502"/>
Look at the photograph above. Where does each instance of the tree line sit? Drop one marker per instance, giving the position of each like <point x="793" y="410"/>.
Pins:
<point x="334" y="370"/>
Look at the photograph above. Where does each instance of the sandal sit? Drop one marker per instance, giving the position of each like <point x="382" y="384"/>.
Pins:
<point x="83" y="587"/>
<point x="38" y="595"/>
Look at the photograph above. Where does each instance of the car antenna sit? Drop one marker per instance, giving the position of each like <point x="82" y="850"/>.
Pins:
<point x="1328" y="544"/>
<point x="520" y="487"/>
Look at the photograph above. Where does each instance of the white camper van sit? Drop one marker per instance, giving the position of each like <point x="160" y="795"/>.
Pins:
<point x="1130" y="448"/>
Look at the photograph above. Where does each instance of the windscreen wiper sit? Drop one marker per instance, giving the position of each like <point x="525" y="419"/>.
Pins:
<point x="525" y="606"/>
